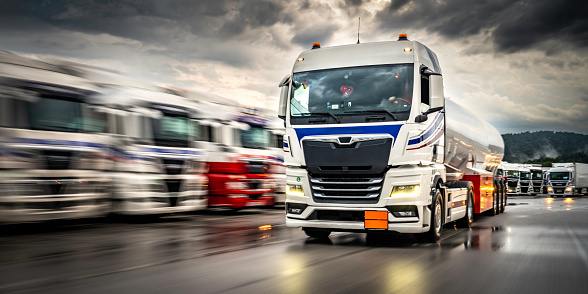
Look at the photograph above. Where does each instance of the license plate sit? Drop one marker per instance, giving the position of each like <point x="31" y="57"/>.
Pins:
<point x="376" y="220"/>
<point x="256" y="203"/>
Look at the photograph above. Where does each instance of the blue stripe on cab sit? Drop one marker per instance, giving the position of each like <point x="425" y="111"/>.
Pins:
<point x="429" y="132"/>
<point x="376" y="129"/>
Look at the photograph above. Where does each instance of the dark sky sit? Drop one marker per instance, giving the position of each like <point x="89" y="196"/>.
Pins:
<point x="521" y="65"/>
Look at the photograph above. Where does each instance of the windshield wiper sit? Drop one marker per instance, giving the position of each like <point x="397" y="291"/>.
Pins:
<point x="323" y="114"/>
<point x="375" y="111"/>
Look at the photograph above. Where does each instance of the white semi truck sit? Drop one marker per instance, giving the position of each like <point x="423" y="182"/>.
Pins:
<point x="567" y="179"/>
<point x="373" y="146"/>
<point x="511" y="173"/>
<point x="54" y="150"/>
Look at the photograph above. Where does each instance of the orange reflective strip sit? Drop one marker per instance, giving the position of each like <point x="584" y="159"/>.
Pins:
<point x="376" y="215"/>
<point x="376" y="224"/>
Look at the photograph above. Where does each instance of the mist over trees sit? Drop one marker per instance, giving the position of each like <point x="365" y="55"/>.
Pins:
<point x="545" y="147"/>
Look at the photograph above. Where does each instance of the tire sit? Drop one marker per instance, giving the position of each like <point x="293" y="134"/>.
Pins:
<point x="317" y="233"/>
<point x="468" y="219"/>
<point x="503" y="196"/>
<point x="436" y="222"/>
<point x="493" y="211"/>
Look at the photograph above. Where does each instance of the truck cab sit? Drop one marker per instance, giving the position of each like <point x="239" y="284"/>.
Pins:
<point x="158" y="165"/>
<point x="237" y="141"/>
<point x="372" y="144"/>
<point x="512" y="173"/>
<point x="54" y="149"/>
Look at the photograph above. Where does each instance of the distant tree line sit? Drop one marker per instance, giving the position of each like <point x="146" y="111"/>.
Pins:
<point x="546" y="147"/>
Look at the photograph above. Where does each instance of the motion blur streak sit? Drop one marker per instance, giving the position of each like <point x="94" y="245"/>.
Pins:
<point x="79" y="141"/>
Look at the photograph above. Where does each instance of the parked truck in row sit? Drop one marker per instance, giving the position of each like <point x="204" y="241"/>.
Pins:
<point x="511" y="172"/>
<point x="372" y="145"/>
<point x="567" y="179"/>
<point x="54" y="151"/>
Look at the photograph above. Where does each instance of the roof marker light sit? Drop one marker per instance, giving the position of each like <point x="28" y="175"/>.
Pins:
<point x="407" y="49"/>
<point x="300" y="59"/>
<point x="316" y="45"/>
<point x="402" y="37"/>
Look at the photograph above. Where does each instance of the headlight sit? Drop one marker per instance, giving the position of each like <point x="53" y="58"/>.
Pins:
<point x="549" y="189"/>
<point x="569" y="189"/>
<point x="236" y="185"/>
<point x="405" y="191"/>
<point x="294" y="190"/>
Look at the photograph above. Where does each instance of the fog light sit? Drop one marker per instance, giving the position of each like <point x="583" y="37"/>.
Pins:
<point x="405" y="191"/>
<point x="569" y="189"/>
<point x="509" y="190"/>
<point x="405" y="213"/>
<point x="294" y="190"/>
<point x="403" y="210"/>
<point x="295" y="208"/>
<point x="549" y="189"/>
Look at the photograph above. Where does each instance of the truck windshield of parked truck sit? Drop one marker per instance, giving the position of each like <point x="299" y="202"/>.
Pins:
<point x="51" y="114"/>
<point x="512" y="173"/>
<point x="559" y="176"/>
<point x="172" y="130"/>
<point x="254" y="137"/>
<point x="525" y="176"/>
<point x="354" y="91"/>
<point x="537" y="175"/>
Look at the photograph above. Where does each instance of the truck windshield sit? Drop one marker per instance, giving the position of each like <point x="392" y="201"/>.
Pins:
<point x="254" y="137"/>
<point x="353" y="91"/>
<point x="173" y="131"/>
<point x="525" y="175"/>
<point x="537" y="175"/>
<point x="512" y="173"/>
<point x="52" y="114"/>
<point x="559" y="176"/>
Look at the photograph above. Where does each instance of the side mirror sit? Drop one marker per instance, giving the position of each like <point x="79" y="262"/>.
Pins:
<point x="436" y="97"/>
<point x="421" y="118"/>
<point x="284" y="90"/>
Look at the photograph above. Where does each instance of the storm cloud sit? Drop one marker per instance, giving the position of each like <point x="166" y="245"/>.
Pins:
<point x="521" y="65"/>
<point x="513" y="25"/>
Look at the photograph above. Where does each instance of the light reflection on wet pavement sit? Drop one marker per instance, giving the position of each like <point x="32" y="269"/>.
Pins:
<point x="539" y="245"/>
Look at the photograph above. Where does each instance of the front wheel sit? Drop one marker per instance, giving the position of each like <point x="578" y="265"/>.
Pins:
<point x="436" y="222"/>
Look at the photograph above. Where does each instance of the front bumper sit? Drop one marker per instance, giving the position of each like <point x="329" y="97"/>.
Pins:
<point x="325" y="215"/>
<point x="399" y="225"/>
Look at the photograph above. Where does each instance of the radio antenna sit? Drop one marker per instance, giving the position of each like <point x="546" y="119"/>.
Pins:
<point x="358" y="24"/>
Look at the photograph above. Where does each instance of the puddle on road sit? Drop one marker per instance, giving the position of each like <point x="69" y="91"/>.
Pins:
<point x="479" y="238"/>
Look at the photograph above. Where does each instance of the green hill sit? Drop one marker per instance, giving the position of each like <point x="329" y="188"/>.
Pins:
<point x="545" y="147"/>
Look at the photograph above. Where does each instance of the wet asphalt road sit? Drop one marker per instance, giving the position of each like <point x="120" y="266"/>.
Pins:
<point x="537" y="246"/>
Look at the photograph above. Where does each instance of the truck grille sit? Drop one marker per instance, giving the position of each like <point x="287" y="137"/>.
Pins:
<point x="349" y="189"/>
<point x="57" y="159"/>
<point x="257" y="167"/>
<point x="173" y="166"/>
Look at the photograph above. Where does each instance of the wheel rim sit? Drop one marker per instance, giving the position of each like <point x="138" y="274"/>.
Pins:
<point x="437" y="216"/>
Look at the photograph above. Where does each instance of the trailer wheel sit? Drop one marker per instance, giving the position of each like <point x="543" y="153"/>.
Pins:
<point x="468" y="219"/>
<point x="494" y="210"/>
<point x="436" y="223"/>
<point x="503" y="195"/>
<point x="317" y="233"/>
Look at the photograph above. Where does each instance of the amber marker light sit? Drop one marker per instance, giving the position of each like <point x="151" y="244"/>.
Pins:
<point x="407" y="49"/>
<point x="300" y="59"/>
<point x="265" y="227"/>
